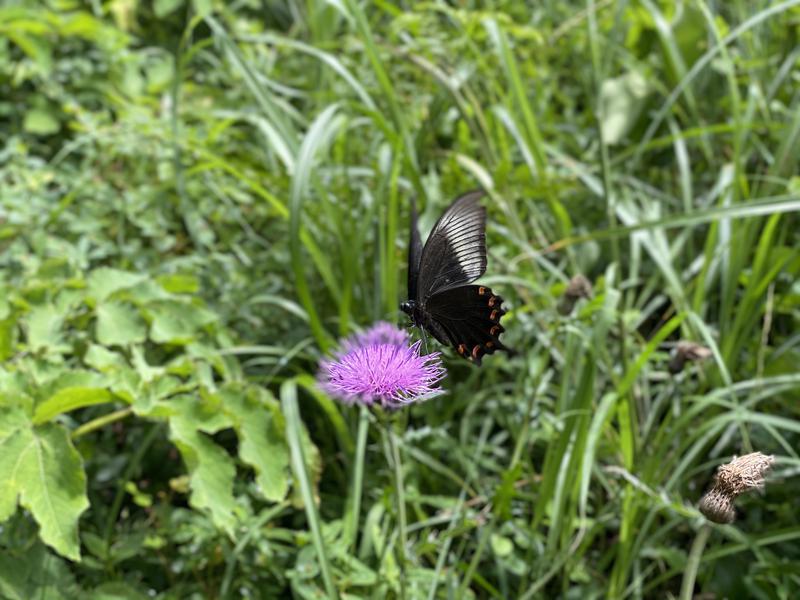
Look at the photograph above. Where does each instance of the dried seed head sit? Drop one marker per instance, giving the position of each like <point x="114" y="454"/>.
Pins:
<point x="578" y="287"/>
<point x="743" y="473"/>
<point x="684" y="351"/>
<point x="738" y="476"/>
<point x="717" y="507"/>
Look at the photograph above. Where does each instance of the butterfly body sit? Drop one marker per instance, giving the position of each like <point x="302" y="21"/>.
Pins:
<point x="440" y="297"/>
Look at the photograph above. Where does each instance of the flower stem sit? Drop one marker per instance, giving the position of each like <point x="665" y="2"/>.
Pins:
<point x="401" y="507"/>
<point x="693" y="562"/>
<point x="358" y="474"/>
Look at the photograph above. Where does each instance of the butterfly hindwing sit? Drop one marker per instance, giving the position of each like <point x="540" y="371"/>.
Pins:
<point x="455" y="252"/>
<point x="469" y="316"/>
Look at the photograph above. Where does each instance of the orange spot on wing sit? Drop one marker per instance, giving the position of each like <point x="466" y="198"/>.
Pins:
<point x="481" y="291"/>
<point x="493" y="316"/>
<point x="475" y="352"/>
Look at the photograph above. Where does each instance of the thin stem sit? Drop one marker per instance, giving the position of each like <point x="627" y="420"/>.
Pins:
<point x="693" y="562"/>
<point x="394" y="449"/>
<point x="101" y="422"/>
<point x="358" y="474"/>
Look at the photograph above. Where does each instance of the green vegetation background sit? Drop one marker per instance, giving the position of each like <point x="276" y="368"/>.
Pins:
<point x="197" y="198"/>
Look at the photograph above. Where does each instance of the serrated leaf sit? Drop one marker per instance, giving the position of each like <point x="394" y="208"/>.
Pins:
<point x="260" y="426"/>
<point x="102" y="359"/>
<point x="211" y="470"/>
<point x="177" y="322"/>
<point x="36" y="573"/>
<point x="44" y="327"/>
<point x="118" y="324"/>
<point x="68" y="399"/>
<point x="39" y="465"/>
<point x="105" y="281"/>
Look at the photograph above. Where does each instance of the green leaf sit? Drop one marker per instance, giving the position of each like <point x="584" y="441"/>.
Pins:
<point x="119" y="324"/>
<point x="178" y="283"/>
<point x="105" y="281"/>
<point x="36" y="573"/>
<point x="621" y="102"/>
<point x="68" y="399"/>
<point x="176" y="322"/>
<point x="40" y="121"/>
<point x="260" y="426"/>
<point x="104" y="360"/>
<point x="162" y="8"/>
<point x="117" y="590"/>
<point x="39" y="465"/>
<point x="501" y="545"/>
<point x="211" y="470"/>
<point x="8" y="338"/>
<point x="44" y="328"/>
<point x="202" y="7"/>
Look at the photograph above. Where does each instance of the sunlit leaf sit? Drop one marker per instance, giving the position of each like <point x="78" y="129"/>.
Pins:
<point x="119" y="324"/>
<point x="40" y="467"/>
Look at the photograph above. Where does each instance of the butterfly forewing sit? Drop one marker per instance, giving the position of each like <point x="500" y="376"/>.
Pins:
<point x="414" y="253"/>
<point x="455" y="253"/>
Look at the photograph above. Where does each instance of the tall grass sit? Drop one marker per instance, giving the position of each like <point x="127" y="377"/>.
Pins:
<point x="651" y="146"/>
<point x="591" y="456"/>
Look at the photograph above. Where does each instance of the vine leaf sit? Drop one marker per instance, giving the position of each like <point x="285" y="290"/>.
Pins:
<point x="211" y="470"/>
<point x="40" y="469"/>
<point x="260" y="427"/>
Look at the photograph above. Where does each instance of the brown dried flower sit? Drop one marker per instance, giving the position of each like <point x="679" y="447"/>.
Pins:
<point x="684" y="351"/>
<point x="738" y="476"/>
<point x="577" y="288"/>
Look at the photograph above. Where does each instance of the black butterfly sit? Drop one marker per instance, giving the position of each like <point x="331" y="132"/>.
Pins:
<point x="439" y="297"/>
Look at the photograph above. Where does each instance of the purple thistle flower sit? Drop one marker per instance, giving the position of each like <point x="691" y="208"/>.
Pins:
<point x="379" y="366"/>
<point x="380" y="333"/>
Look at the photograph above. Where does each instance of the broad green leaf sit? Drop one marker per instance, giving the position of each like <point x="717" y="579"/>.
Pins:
<point x="621" y="102"/>
<point x="41" y="121"/>
<point x="176" y="322"/>
<point x="36" y="573"/>
<point x="105" y="281"/>
<point x="162" y="8"/>
<point x="40" y="467"/>
<point x="260" y="426"/>
<point x="179" y="283"/>
<point x="117" y="590"/>
<point x="119" y="324"/>
<point x="211" y="470"/>
<point x="104" y="360"/>
<point x="44" y="328"/>
<point x="69" y="399"/>
<point x="8" y="338"/>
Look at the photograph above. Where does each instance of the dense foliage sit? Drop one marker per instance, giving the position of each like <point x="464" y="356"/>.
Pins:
<point x="198" y="197"/>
